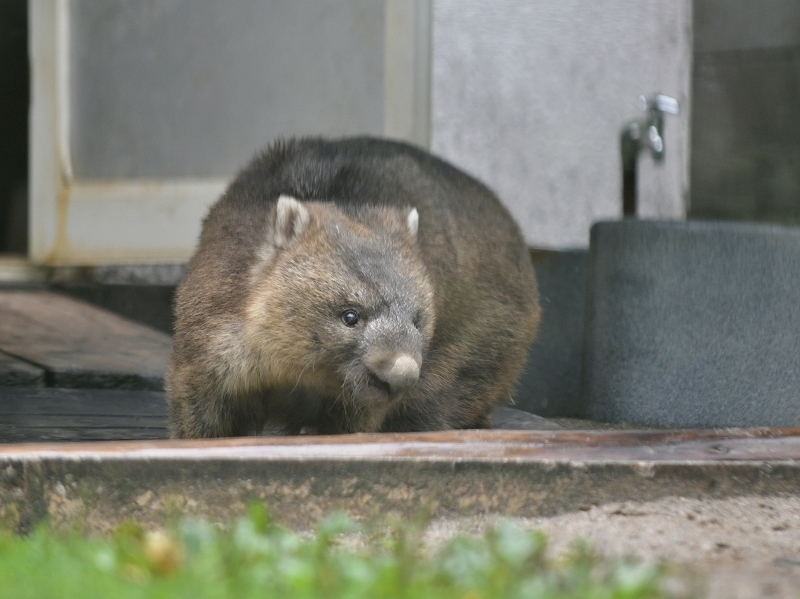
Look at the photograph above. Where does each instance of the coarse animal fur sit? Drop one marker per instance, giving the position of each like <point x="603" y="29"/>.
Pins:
<point x="350" y="285"/>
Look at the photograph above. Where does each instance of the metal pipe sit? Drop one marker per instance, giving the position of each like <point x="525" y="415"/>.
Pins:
<point x="646" y="132"/>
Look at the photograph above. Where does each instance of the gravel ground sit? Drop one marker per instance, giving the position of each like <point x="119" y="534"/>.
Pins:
<point x="744" y="547"/>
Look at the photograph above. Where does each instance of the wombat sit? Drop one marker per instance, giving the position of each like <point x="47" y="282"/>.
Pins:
<point x="353" y="285"/>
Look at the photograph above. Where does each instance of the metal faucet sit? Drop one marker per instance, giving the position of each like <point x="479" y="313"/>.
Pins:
<point x="647" y="132"/>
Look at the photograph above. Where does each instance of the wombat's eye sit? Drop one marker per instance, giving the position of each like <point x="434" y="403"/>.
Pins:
<point x="350" y="318"/>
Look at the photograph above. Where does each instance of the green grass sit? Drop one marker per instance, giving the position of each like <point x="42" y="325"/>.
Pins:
<point x="259" y="559"/>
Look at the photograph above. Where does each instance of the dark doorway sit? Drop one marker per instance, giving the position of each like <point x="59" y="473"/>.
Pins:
<point x="14" y="103"/>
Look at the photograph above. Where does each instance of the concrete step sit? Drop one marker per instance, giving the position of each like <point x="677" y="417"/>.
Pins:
<point x="452" y="473"/>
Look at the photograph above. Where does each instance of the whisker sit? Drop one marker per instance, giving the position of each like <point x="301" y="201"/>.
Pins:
<point x="297" y="382"/>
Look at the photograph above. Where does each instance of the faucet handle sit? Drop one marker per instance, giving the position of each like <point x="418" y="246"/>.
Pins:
<point x="666" y="104"/>
<point x="659" y="102"/>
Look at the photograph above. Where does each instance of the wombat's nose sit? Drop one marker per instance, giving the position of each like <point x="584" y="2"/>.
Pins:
<point x="402" y="374"/>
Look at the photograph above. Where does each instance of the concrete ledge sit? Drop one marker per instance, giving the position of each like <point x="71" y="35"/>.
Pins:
<point x="94" y="486"/>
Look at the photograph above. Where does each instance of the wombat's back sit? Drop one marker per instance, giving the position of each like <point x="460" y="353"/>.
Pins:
<point x="485" y="294"/>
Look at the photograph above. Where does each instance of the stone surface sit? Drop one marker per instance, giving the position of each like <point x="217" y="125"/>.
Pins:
<point x="550" y="383"/>
<point x="724" y="548"/>
<point x="80" y="345"/>
<point x="693" y="324"/>
<point x="449" y="474"/>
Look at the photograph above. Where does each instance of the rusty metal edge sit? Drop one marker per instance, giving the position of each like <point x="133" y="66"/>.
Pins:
<point x="432" y="437"/>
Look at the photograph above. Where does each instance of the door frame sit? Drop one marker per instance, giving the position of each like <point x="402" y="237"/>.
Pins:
<point x="76" y="221"/>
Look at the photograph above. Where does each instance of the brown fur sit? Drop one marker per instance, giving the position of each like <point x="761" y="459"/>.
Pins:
<point x="260" y="336"/>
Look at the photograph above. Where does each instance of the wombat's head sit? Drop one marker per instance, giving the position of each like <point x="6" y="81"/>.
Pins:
<point x="341" y="305"/>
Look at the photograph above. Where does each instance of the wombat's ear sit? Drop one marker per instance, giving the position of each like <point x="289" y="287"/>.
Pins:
<point x="412" y="222"/>
<point x="291" y="219"/>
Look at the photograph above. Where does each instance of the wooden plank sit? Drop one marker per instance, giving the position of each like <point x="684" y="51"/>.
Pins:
<point x="45" y="414"/>
<point x="50" y="435"/>
<point x="61" y="421"/>
<point x="48" y="414"/>
<point x="26" y="428"/>
<point x="81" y="401"/>
<point x="14" y="372"/>
<point x="79" y="344"/>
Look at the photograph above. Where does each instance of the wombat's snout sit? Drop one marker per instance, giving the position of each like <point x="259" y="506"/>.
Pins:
<point x="399" y="372"/>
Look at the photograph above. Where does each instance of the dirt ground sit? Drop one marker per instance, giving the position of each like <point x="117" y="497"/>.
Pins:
<point x="744" y="547"/>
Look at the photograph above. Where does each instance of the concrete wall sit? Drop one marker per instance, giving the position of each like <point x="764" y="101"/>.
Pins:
<point x="531" y="96"/>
